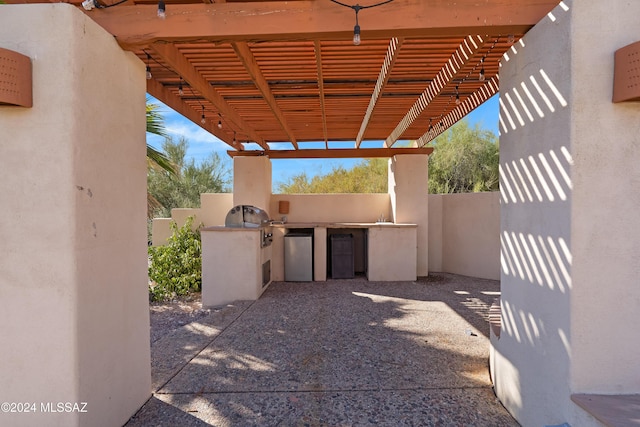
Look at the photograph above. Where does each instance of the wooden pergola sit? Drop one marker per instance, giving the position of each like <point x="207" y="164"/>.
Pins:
<point x="278" y="75"/>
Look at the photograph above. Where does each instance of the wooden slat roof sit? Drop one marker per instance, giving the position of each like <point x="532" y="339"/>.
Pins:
<point x="281" y="74"/>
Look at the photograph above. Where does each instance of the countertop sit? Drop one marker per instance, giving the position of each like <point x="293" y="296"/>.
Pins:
<point x="343" y="225"/>
<point x="315" y="225"/>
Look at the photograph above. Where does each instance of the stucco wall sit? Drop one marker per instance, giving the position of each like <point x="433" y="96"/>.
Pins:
<point x="73" y="297"/>
<point x="605" y="240"/>
<point x="214" y="208"/>
<point x="569" y="228"/>
<point x="212" y="212"/>
<point x="471" y="234"/>
<point x="332" y="207"/>
<point x="464" y="234"/>
<point x="533" y="354"/>
<point x="435" y="231"/>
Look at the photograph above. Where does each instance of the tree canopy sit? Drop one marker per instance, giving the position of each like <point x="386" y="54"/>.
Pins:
<point x="465" y="160"/>
<point x="367" y="176"/>
<point x="183" y="189"/>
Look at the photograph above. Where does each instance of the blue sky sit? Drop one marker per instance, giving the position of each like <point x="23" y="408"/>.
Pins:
<point x="202" y="143"/>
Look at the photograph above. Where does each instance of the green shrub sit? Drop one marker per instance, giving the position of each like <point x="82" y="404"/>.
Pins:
<point x="176" y="268"/>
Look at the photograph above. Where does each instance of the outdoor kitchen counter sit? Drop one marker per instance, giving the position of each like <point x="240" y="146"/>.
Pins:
<point x="391" y="249"/>
<point x="223" y="228"/>
<point x="235" y="264"/>
<point x="343" y="225"/>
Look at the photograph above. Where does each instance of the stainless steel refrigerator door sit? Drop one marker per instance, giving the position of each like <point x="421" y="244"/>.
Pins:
<point x="298" y="257"/>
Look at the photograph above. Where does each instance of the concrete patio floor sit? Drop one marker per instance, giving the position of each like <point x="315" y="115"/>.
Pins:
<point x="335" y="353"/>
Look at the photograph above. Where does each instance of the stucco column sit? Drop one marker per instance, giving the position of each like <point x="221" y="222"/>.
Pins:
<point x="74" y="314"/>
<point x="408" y="190"/>
<point x="252" y="181"/>
<point x="570" y="228"/>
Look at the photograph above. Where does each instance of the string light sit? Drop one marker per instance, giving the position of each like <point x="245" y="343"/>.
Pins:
<point x="457" y="96"/>
<point x="91" y="4"/>
<point x="203" y="120"/>
<point x="357" y="8"/>
<point x="161" y="9"/>
<point x="481" y="77"/>
<point x="356" y="32"/>
<point x="149" y="76"/>
<point x="219" y="121"/>
<point x="234" y="138"/>
<point x="180" y="89"/>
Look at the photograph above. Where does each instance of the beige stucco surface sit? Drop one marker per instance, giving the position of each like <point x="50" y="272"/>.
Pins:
<point x="392" y="253"/>
<point x="408" y="190"/>
<point x="212" y="212"/>
<point x="214" y="208"/>
<point x="470" y="230"/>
<point x="252" y="181"/>
<point x="73" y="296"/>
<point x="180" y="215"/>
<point x="232" y="265"/>
<point x="605" y="242"/>
<point x="435" y="231"/>
<point x="569" y="227"/>
<point x="160" y="230"/>
<point x="332" y="207"/>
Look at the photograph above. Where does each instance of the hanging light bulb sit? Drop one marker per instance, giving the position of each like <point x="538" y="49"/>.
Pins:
<point x="219" y="121"/>
<point x="481" y="77"/>
<point x="356" y="29"/>
<point x="511" y="38"/>
<point x="457" y="96"/>
<point x="356" y="35"/>
<point x="88" y="4"/>
<point x="180" y="89"/>
<point x="161" y="9"/>
<point x="203" y="120"/>
<point x="149" y="76"/>
<point x="356" y="8"/>
<point x="234" y="138"/>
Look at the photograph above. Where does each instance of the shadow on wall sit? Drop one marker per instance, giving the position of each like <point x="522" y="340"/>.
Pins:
<point x="531" y="360"/>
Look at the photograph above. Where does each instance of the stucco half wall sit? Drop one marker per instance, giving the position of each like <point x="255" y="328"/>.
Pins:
<point x="73" y="282"/>
<point x="464" y="234"/>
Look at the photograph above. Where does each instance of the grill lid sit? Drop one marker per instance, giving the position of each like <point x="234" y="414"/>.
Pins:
<point x="246" y="216"/>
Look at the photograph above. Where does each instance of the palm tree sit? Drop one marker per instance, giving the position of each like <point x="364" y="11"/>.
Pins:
<point x="155" y="158"/>
<point x="155" y="125"/>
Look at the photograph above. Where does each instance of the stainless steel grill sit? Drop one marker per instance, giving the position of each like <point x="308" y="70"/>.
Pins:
<point x="247" y="216"/>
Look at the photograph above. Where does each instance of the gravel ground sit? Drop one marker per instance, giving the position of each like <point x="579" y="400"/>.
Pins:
<point x="170" y="315"/>
<point x="338" y="353"/>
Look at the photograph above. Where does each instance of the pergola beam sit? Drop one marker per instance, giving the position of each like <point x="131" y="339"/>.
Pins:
<point x="318" y="50"/>
<point x="468" y="105"/>
<point x="251" y="65"/>
<point x="138" y="26"/>
<point x="339" y="153"/>
<point x="385" y="71"/>
<point x="176" y="60"/>
<point x="465" y="52"/>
